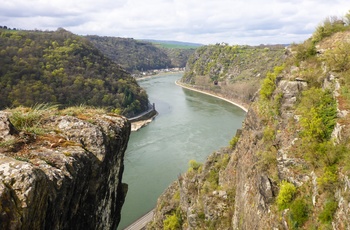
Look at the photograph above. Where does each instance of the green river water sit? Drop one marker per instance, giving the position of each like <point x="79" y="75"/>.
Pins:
<point x="190" y="125"/>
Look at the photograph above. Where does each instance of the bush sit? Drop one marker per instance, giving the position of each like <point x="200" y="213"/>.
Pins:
<point x="171" y="222"/>
<point x="329" y="208"/>
<point x="338" y="59"/>
<point x="269" y="83"/>
<point x="330" y="26"/>
<point x="298" y="213"/>
<point x="305" y="51"/>
<point x="233" y="142"/>
<point x="285" y="195"/>
<point x="195" y="166"/>
<point x="319" y="112"/>
<point x="329" y="178"/>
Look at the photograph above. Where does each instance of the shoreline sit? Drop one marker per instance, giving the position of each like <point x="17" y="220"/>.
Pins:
<point x="213" y="95"/>
<point x="160" y="73"/>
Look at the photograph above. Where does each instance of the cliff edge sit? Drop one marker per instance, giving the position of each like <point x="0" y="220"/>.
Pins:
<point x="65" y="176"/>
<point x="288" y="167"/>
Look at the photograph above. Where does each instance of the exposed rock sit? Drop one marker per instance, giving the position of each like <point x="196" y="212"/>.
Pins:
<point x="69" y="178"/>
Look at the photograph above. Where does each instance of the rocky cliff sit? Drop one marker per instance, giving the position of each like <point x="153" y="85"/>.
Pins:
<point x="288" y="167"/>
<point x="67" y="175"/>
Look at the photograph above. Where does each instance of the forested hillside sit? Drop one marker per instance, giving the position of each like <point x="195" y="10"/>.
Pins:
<point x="62" y="68"/>
<point x="137" y="56"/>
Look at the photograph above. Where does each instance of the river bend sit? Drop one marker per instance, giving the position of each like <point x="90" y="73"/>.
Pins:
<point x="190" y="125"/>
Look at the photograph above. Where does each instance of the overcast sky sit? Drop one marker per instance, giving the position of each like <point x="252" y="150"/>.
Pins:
<point x="250" y="22"/>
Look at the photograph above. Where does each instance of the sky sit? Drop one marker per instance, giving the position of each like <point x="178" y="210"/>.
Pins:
<point x="242" y="22"/>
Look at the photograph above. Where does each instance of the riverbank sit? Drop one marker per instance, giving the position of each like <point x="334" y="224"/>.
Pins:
<point x="241" y="105"/>
<point x="143" y="119"/>
<point x="149" y="116"/>
<point x="160" y="72"/>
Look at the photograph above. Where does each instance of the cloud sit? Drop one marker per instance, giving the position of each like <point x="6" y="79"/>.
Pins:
<point x="232" y="21"/>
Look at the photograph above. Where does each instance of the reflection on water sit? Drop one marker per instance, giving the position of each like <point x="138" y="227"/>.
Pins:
<point x="189" y="126"/>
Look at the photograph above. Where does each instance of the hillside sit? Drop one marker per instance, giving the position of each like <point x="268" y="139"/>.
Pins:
<point x="288" y="167"/>
<point x="139" y="56"/>
<point x="233" y="71"/>
<point x="62" y="68"/>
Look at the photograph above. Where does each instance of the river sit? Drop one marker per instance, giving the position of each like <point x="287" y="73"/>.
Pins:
<point x="190" y="125"/>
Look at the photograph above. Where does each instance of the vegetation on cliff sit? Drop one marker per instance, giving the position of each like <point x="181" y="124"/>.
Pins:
<point x="289" y="166"/>
<point x="61" y="169"/>
<point x="233" y="71"/>
<point x="62" y="68"/>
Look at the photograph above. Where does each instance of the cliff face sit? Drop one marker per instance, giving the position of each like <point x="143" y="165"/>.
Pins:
<point x="67" y="178"/>
<point x="288" y="167"/>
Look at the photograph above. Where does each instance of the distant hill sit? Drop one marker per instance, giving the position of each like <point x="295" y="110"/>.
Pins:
<point x="173" y="44"/>
<point x="62" y="68"/>
<point x="143" y="55"/>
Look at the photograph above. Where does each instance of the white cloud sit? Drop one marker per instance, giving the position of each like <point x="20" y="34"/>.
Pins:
<point x="232" y="21"/>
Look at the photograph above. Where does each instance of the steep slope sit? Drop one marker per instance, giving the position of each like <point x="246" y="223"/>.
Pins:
<point x="62" y="68"/>
<point x="131" y="54"/>
<point x="234" y="72"/>
<point x="138" y="56"/>
<point x="288" y="167"/>
<point x="61" y="169"/>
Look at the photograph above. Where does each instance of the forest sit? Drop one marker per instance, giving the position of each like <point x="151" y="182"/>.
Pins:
<point x="61" y="68"/>
<point x="138" y="55"/>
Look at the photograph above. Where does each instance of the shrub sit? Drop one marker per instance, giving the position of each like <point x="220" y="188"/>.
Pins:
<point x="285" y="195"/>
<point x="305" y="51"/>
<point x="171" y="222"/>
<point x="269" y="134"/>
<point x="195" y="166"/>
<point x="329" y="208"/>
<point x="319" y="112"/>
<point x="338" y="59"/>
<point x="298" y="213"/>
<point x="269" y="83"/>
<point x="233" y="142"/>
<point x="329" y="178"/>
<point x="330" y="26"/>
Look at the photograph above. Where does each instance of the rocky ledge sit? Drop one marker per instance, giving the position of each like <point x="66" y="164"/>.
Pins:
<point x="67" y="178"/>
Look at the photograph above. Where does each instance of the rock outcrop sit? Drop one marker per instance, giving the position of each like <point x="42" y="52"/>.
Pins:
<point x="68" y="178"/>
<point x="288" y="167"/>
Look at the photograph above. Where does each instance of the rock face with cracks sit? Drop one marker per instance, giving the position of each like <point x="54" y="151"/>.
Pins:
<point x="69" y="178"/>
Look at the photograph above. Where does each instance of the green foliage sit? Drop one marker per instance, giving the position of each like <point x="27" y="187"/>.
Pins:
<point x="330" y="26"/>
<point x="299" y="213"/>
<point x="62" y="68"/>
<point x="285" y="195"/>
<point x="194" y="166"/>
<point x="233" y="142"/>
<point x="137" y="55"/>
<point x="305" y="50"/>
<point x="318" y="114"/>
<point x="171" y="222"/>
<point x="269" y="83"/>
<point x="329" y="179"/>
<point x="338" y="59"/>
<point x="269" y="134"/>
<point x="329" y="208"/>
